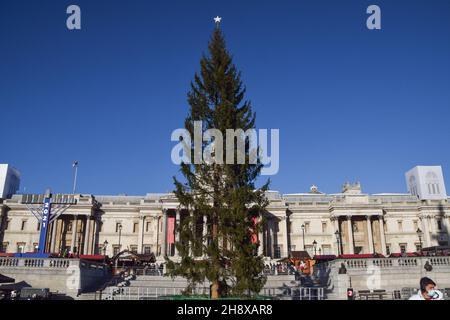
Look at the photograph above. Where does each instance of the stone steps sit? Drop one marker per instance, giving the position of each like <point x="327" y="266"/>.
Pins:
<point x="152" y="286"/>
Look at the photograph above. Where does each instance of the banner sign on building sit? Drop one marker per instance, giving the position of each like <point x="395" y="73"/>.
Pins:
<point x="254" y="233"/>
<point x="170" y="230"/>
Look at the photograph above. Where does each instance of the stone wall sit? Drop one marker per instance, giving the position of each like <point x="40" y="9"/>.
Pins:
<point x="384" y="273"/>
<point x="69" y="276"/>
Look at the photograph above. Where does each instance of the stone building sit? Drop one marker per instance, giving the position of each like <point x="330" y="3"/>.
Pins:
<point x="349" y="222"/>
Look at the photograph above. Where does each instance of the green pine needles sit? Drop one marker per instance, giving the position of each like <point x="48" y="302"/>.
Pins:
<point x="221" y="194"/>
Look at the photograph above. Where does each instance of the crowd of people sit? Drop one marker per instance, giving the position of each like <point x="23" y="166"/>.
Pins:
<point x="156" y="269"/>
<point x="279" y="268"/>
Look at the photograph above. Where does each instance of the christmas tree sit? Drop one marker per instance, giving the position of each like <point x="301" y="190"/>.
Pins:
<point x="222" y="194"/>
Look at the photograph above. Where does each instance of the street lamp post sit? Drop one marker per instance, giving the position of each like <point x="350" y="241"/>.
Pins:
<point x="79" y="245"/>
<point x="120" y="234"/>
<point x="75" y="167"/>
<point x="303" y="231"/>
<point x="105" y="244"/>
<point x="420" y="234"/>
<point x="315" y="247"/>
<point x="338" y="237"/>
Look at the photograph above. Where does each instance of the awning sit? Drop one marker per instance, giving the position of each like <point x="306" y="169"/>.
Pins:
<point x="5" y="279"/>
<point x="300" y="255"/>
<point x="325" y="257"/>
<point x="360" y="256"/>
<point x="14" y="286"/>
<point x="96" y="257"/>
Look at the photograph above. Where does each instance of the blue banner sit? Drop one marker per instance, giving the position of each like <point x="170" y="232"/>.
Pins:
<point x="44" y="224"/>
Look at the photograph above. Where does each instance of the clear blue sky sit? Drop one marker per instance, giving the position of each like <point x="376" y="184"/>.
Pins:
<point x="351" y="104"/>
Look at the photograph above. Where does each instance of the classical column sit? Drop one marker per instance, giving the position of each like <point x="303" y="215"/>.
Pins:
<point x="426" y="229"/>
<point x="140" y="233"/>
<point x="156" y="234"/>
<point x="382" y="235"/>
<point x="177" y="234"/>
<point x="193" y="226"/>
<point x="285" y="242"/>
<point x="205" y="233"/>
<point x="260" y="237"/>
<point x="95" y="239"/>
<point x="350" y="235"/>
<point x="53" y="240"/>
<point x="369" y="235"/>
<point x="86" y="235"/>
<point x="164" y="233"/>
<point x="74" y="233"/>
<point x="271" y="242"/>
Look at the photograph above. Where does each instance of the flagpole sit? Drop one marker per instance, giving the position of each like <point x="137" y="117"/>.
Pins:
<point x="75" y="166"/>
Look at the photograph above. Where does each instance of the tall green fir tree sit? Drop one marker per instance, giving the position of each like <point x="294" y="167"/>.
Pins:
<point x="220" y="193"/>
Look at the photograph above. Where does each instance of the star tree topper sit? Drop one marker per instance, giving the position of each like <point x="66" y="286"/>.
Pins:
<point x="217" y="20"/>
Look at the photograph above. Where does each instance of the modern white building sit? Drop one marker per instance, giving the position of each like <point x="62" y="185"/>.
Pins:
<point x="348" y="222"/>
<point x="9" y="181"/>
<point x="426" y="182"/>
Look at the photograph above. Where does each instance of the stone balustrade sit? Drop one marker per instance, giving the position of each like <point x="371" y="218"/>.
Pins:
<point x="388" y="274"/>
<point x="53" y="263"/>
<point x="394" y="262"/>
<point x="70" y="276"/>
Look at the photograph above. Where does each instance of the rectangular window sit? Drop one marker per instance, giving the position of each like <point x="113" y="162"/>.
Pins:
<point x="21" y="247"/>
<point x="118" y="226"/>
<point x="135" y="227"/>
<point x="439" y="225"/>
<point x="388" y="249"/>
<point x="24" y="224"/>
<point x="147" y="249"/>
<point x="7" y="224"/>
<point x="38" y="226"/>
<point x="115" y="249"/>
<point x="147" y="226"/>
<point x="403" y="247"/>
<point x="4" y="247"/>
<point x="306" y="227"/>
<point x="134" y="249"/>
<point x="277" y="252"/>
<point x="418" y="247"/>
<point x="400" y="225"/>
<point x="324" y="227"/>
<point x="326" y="249"/>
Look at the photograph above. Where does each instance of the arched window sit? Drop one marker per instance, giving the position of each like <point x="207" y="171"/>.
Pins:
<point x="432" y="182"/>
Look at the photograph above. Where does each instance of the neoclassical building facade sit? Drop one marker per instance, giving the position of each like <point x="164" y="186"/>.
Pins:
<point x="349" y="222"/>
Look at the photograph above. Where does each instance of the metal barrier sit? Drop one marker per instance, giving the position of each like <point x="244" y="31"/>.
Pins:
<point x="148" y="271"/>
<point x="149" y="293"/>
